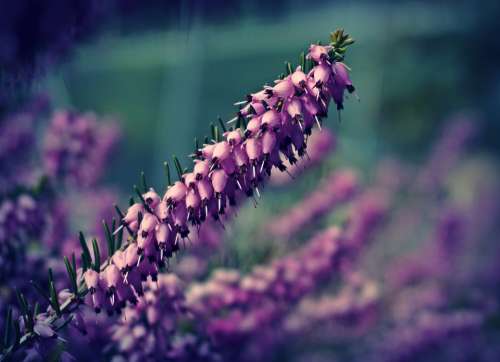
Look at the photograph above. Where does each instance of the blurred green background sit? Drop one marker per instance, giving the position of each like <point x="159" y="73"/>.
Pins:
<point x="167" y="72"/>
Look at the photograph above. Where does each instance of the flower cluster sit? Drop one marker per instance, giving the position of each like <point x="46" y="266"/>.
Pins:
<point x="21" y="218"/>
<point x="433" y="260"/>
<point x="427" y="330"/>
<point x="351" y="307"/>
<point x="284" y="279"/>
<point x="237" y="308"/>
<point x="150" y="330"/>
<point x="17" y="143"/>
<point x="76" y="147"/>
<point x="272" y="124"/>
<point x="413" y="294"/>
<point x="339" y="187"/>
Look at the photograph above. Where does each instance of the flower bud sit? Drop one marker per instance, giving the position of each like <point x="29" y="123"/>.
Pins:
<point x="219" y="180"/>
<point x="254" y="149"/>
<point x="253" y="126"/>
<point x="298" y="78"/>
<point x="162" y="211"/>
<point x="133" y="213"/>
<point x="341" y="76"/>
<point x="233" y="137"/>
<point x="259" y="96"/>
<point x="131" y="255"/>
<point x="268" y="142"/>
<point x="91" y="278"/>
<point x="151" y="198"/>
<point x="322" y="74"/>
<point x="119" y="260"/>
<point x="271" y="119"/>
<point x="175" y="193"/>
<point x="318" y="53"/>
<point x="207" y="151"/>
<point x="284" y="88"/>
<point x="148" y="223"/>
<point x="222" y="151"/>
<point x="240" y="156"/>
<point x="144" y="240"/>
<point x="205" y="189"/>
<point x="189" y="179"/>
<point x="193" y="199"/>
<point x="112" y="276"/>
<point x="201" y="169"/>
<point x="162" y="233"/>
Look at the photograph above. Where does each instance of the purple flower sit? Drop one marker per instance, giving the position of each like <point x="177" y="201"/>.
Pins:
<point x="426" y="330"/>
<point x="337" y="188"/>
<point x="76" y="147"/>
<point x="238" y="309"/>
<point x="449" y="148"/>
<point x="352" y="307"/>
<point x="434" y="260"/>
<point x="225" y="172"/>
<point x="150" y="330"/>
<point x="21" y="219"/>
<point x="17" y="144"/>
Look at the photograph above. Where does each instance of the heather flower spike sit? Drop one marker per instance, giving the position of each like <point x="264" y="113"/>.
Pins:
<point x="235" y="164"/>
<point x="273" y="126"/>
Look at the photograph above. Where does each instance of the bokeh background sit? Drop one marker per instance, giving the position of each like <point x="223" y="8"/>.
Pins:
<point x="165" y="70"/>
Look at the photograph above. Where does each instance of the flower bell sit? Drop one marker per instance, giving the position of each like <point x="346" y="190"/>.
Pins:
<point x="233" y="138"/>
<point x="131" y="219"/>
<point x="219" y="182"/>
<point x="321" y="74"/>
<point x="176" y="193"/>
<point x="190" y="180"/>
<point x="253" y="126"/>
<point x="162" y="211"/>
<point x="201" y="169"/>
<point x="280" y="119"/>
<point x="318" y="53"/>
<point x="207" y="151"/>
<point x="341" y="76"/>
<point x="148" y="224"/>
<point x="241" y="158"/>
<point x="91" y="278"/>
<point x="193" y="202"/>
<point x="299" y="79"/>
<point x="119" y="259"/>
<point x="152" y="199"/>
<point x="283" y="88"/>
<point x="270" y="120"/>
<point x="132" y="256"/>
<point x="222" y="151"/>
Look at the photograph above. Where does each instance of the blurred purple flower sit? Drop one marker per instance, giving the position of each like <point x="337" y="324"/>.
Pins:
<point x="151" y="329"/>
<point x="447" y="151"/>
<point x="76" y="147"/>
<point x="337" y="188"/>
<point x="21" y="219"/>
